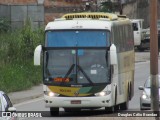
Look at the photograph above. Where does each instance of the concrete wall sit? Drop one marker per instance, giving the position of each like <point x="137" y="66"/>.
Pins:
<point x="15" y="2"/>
<point x="17" y="14"/>
<point x="5" y="12"/>
<point x="139" y="9"/>
<point x="56" y="8"/>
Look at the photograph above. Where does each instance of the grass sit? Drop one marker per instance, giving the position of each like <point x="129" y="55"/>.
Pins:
<point x="17" y="71"/>
<point x="19" y="76"/>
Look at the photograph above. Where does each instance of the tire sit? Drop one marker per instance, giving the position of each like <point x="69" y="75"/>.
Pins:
<point x="125" y="105"/>
<point x="130" y="92"/>
<point x="140" y="48"/>
<point x="54" y="111"/>
<point x="141" y="108"/>
<point x="116" y="107"/>
<point x="72" y="109"/>
<point x="109" y="109"/>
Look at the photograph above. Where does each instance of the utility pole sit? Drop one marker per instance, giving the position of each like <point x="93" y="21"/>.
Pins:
<point x="154" y="58"/>
<point x="120" y="7"/>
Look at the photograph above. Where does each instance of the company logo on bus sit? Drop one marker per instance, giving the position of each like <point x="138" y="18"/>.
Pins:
<point x="76" y="94"/>
<point x="65" y="90"/>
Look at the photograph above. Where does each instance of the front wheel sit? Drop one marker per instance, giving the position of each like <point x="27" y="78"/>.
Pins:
<point x="125" y="105"/>
<point x="109" y="109"/>
<point x="54" y="111"/>
<point x="72" y="109"/>
<point x="116" y="108"/>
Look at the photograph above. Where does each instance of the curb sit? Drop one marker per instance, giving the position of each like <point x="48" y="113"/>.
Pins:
<point x="20" y="100"/>
<point x="25" y="95"/>
<point x="37" y="91"/>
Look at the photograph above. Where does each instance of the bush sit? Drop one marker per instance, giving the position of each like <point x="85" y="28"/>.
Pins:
<point x="16" y="77"/>
<point x="19" y="45"/>
<point x="4" y="25"/>
<point x="17" y="71"/>
<point x="29" y="40"/>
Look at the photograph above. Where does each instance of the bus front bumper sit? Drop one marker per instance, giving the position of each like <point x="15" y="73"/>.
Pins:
<point x="96" y="101"/>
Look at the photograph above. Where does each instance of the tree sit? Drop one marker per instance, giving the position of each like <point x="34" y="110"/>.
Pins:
<point x="109" y="6"/>
<point x="106" y="6"/>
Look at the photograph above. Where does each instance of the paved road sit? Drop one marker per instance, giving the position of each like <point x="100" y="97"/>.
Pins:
<point x="36" y="92"/>
<point x="142" y="70"/>
<point x="141" y="74"/>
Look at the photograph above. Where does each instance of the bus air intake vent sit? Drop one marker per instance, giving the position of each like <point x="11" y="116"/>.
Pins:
<point x="109" y="16"/>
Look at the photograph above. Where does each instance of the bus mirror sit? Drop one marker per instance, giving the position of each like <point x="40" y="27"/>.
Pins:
<point x="37" y="55"/>
<point x="113" y="55"/>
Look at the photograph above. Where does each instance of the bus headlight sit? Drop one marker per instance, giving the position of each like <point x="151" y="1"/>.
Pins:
<point x="104" y="93"/>
<point x="51" y="94"/>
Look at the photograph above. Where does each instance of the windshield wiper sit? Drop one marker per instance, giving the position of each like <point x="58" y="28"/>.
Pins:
<point x="69" y="71"/>
<point x="85" y="75"/>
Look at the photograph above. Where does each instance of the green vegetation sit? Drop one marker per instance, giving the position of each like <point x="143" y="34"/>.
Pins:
<point x="4" y="25"/>
<point x="106" y="6"/>
<point x="109" y="7"/>
<point x="17" y="71"/>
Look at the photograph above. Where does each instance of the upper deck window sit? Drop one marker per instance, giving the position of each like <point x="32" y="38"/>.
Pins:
<point x="77" y="38"/>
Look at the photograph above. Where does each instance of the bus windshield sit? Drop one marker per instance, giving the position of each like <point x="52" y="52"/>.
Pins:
<point x="77" y="38"/>
<point x="83" y="60"/>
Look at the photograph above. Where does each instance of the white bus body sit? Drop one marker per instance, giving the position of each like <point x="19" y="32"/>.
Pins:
<point x="104" y="68"/>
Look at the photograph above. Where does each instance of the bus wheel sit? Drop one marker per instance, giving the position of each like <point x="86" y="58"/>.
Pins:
<point x="116" y="107"/>
<point x="54" y="111"/>
<point x="125" y="105"/>
<point x="72" y="109"/>
<point x="109" y="109"/>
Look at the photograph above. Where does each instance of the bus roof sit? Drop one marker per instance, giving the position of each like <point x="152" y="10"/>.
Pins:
<point x="92" y="20"/>
<point x="79" y="24"/>
<point x="92" y="15"/>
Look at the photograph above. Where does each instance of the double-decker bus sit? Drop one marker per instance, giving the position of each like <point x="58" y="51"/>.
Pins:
<point x="88" y="62"/>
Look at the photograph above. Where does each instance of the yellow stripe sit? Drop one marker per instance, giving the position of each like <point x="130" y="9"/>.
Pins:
<point x="67" y="91"/>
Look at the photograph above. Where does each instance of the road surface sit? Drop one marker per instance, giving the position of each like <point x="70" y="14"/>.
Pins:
<point x="142" y="71"/>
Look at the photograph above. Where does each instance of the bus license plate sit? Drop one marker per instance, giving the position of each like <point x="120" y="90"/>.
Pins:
<point x="75" y="101"/>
